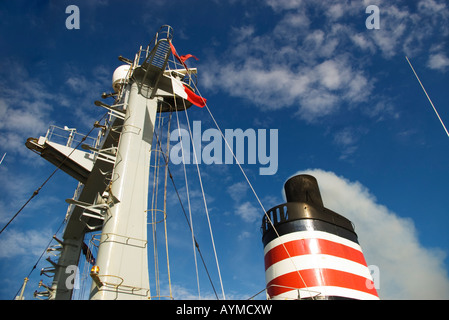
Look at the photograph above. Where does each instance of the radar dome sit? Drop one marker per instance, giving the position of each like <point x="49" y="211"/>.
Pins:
<point x="119" y="76"/>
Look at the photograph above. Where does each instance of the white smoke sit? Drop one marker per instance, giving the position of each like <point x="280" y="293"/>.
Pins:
<point x="407" y="269"/>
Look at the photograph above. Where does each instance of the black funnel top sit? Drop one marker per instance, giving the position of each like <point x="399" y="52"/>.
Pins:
<point x="303" y="188"/>
<point x="303" y="210"/>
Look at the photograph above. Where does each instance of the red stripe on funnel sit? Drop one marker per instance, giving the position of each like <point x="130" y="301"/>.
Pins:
<point x="312" y="246"/>
<point x="320" y="278"/>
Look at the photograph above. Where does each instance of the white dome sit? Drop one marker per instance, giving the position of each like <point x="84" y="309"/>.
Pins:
<point x="119" y="76"/>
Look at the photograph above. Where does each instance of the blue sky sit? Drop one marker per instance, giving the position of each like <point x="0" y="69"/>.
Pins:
<point x="346" y="105"/>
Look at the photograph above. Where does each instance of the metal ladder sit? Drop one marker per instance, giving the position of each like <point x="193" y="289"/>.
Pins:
<point x="155" y="63"/>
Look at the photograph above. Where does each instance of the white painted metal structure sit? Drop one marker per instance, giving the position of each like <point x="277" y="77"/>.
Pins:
<point x="122" y="254"/>
<point x="113" y="172"/>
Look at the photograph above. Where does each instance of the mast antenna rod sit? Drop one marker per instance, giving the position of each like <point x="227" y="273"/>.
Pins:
<point x="3" y="158"/>
<point x="431" y="103"/>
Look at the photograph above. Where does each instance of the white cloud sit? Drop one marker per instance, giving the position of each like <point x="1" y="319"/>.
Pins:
<point x="438" y="61"/>
<point x="335" y="11"/>
<point x="180" y="292"/>
<point x="238" y="190"/>
<point x="15" y="189"/>
<point x="27" y="107"/>
<point x="317" y="67"/>
<point x="284" y="4"/>
<point x="362" y="41"/>
<point x="305" y="72"/>
<point x="432" y="7"/>
<point x="243" y="32"/>
<point x="345" y="137"/>
<point x="17" y="243"/>
<point x="244" y="235"/>
<point x="24" y="109"/>
<point x="329" y="75"/>
<point x="248" y="212"/>
<point x="408" y="270"/>
<point x="347" y="140"/>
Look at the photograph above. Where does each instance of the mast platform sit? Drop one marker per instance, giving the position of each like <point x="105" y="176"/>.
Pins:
<point x="76" y="163"/>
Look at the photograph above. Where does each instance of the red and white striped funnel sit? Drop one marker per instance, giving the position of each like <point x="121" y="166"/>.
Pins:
<point x="312" y="252"/>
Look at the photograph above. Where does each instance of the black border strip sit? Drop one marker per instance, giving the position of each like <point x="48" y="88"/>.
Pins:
<point x="308" y="225"/>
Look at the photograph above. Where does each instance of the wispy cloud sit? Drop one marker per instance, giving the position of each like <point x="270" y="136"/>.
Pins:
<point x="28" y="106"/>
<point x="17" y="243"/>
<point x="238" y="190"/>
<point x="246" y="210"/>
<point x="408" y="270"/>
<point x="24" y="107"/>
<point x="438" y="61"/>
<point x="347" y="140"/>
<point x="320" y="67"/>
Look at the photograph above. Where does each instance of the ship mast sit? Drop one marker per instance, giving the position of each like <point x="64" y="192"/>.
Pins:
<point x="114" y="173"/>
<point x="121" y="271"/>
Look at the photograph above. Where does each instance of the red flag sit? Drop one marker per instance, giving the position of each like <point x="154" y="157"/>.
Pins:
<point x="194" y="98"/>
<point x="183" y="58"/>
<point x="184" y="92"/>
<point x="188" y="56"/>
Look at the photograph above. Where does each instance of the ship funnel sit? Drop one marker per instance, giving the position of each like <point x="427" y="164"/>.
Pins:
<point x="303" y="188"/>
<point x="312" y="252"/>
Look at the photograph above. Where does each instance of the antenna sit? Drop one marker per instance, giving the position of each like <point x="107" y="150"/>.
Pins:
<point x="431" y="103"/>
<point x="3" y="158"/>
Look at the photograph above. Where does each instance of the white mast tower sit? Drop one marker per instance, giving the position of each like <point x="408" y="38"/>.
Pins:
<point x="112" y="195"/>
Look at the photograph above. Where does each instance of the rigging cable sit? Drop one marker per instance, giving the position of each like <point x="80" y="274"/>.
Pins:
<point x="40" y="257"/>
<point x="254" y="192"/>
<point x="188" y="201"/>
<point x="159" y="151"/>
<point x="165" y="201"/>
<point x="201" y="183"/>
<point x="204" y="200"/>
<point x="249" y="183"/>
<point x="188" y="222"/>
<point x="154" y="210"/>
<point x="428" y="98"/>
